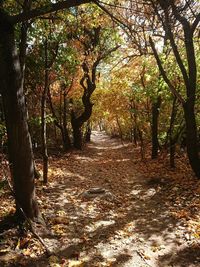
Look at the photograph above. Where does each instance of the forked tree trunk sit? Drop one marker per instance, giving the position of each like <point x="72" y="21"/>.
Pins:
<point x="19" y="141"/>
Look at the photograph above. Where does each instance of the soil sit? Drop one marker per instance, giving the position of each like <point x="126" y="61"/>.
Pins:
<point x="102" y="211"/>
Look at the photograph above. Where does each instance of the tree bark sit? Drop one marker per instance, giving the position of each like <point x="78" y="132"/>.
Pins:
<point x="88" y="132"/>
<point x="19" y="141"/>
<point x="154" y="127"/>
<point x="77" y="122"/>
<point x="43" y="117"/>
<point x="191" y="137"/>
<point x="190" y="81"/>
<point x="172" y="141"/>
<point x="65" y="134"/>
<point x="77" y="133"/>
<point x="61" y="122"/>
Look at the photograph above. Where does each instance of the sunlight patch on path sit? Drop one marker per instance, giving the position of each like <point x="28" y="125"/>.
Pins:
<point x="132" y="229"/>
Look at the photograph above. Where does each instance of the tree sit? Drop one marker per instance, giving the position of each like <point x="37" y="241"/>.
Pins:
<point x="96" y="44"/>
<point x="167" y="12"/>
<point x="175" y="21"/>
<point x="11" y="89"/>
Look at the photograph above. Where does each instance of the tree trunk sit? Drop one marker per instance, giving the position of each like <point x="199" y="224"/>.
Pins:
<point x="172" y="141"/>
<point x="191" y="137"/>
<point x="62" y="126"/>
<point x="77" y="135"/>
<point x="78" y="122"/>
<point x="154" y="127"/>
<point x="19" y="141"/>
<point x="120" y="129"/>
<point x="142" y="150"/>
<point x="172" y="151"/>
<point x="88" y="132"/>
<point x="135" y="138"/>
<point x="65" y="138"/>
<point x="43" y="119"/>
<point x="65" y="134"/>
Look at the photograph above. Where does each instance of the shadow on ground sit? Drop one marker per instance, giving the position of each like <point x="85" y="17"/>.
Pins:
<point x="132" y="228"/>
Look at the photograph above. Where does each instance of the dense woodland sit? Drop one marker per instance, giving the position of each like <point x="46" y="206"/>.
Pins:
<point x="74" y="69"/>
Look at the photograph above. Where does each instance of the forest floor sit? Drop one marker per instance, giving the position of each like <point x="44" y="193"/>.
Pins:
<point x="105" y="207"/>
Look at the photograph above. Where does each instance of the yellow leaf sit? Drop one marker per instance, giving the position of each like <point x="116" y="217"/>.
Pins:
<point x="74" y="263"/>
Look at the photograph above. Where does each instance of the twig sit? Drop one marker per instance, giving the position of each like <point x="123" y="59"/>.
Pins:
<point x="142" y="257"/>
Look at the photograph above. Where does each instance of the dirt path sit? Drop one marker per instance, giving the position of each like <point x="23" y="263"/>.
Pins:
<point x="127" y="223"/>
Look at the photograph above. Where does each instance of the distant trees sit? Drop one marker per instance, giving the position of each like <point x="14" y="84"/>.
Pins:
<point x="75" y="72"/>
<point x="151" y="25"/>
<point x="96" y="48"/>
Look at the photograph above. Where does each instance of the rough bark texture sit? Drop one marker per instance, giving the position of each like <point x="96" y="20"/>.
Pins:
<point x="19" y="142"/>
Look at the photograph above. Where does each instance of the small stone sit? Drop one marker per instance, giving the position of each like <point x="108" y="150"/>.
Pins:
<point x="187" y="237"/>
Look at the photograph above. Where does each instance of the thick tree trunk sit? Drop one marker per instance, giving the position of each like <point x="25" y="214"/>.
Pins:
<point x="88" y="132"/>
<point x="19" y="141"/>
<point x="65" y="138"/>
<point x="191" y="137"/>
<point x="154" y="127"/>
<point x="78" y="139"/>
<point x="77" y="135"/>
<point x="78" y="122"/>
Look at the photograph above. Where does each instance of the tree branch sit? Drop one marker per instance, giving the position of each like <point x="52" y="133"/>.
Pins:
<point x="195" y="23"/>
<point x="34" y="13"/>
<point x="120" y="22"/>
<point x="163" y="73"/>
<point x="103" y="56"/>
<point x="175" y="49"/>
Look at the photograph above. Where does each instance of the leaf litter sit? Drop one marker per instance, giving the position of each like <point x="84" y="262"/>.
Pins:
<point x="138" y="213"/>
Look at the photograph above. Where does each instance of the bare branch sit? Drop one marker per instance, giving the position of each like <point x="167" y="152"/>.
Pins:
<point x="103" y="56"/>
<point x="120" y="22"/>
<point x="163" y="73"/>
<point x="34" y="13"/>
<point x="195" y="23"/>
